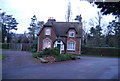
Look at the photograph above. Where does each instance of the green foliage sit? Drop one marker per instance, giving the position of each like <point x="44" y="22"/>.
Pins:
<point x="99" y="56"/>
<point x="108" y="7"/>
<point x="92" y="31"/>
<point x="55" y="53"/>
<point x="64" y="57"/>
<point x="35" y="55"/>
<point x="47" y="52"/>
<point x="8" y="23"/>
<point x="2" y="56"/>
<point x="51" y="51"/>
<point x="101" y="51"/>
<point x="34" y="47"/>
<point x="95" y="32"/>
<point x="113" y="30"/>
<point x="94" y="45"/>
<point x="5" y="45"/>
<point x="33" y="50"/>
<point x="35" y="27"/>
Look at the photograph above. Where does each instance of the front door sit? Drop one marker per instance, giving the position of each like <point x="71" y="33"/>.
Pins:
<point x="58" y="46"/>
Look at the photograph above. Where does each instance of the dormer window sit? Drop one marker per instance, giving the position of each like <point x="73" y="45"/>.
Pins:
<point x="71" y="33"/>
<point x="47" y="31"/>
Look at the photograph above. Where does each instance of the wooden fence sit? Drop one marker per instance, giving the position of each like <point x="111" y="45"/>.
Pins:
<point x="21" y="46"/>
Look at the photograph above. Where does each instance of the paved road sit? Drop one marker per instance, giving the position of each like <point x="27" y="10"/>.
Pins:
<point x="20" y="65"/>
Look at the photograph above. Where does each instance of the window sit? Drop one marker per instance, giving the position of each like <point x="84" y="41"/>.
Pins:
<point x="71" y="46"/>
<point x="71" y="33"/>
<point x="46" y="43"/>
<point x="47" y="31"/>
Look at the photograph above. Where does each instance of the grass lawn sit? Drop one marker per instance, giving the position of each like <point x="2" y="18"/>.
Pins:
<point x="9" y="50"/>
<point x="2" y="56"/>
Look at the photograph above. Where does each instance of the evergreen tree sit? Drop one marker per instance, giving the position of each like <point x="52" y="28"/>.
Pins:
<point x="8" y="23"/>
<point x="35" y="27"/>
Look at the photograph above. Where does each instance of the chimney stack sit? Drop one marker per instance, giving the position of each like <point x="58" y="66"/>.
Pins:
<point x="51" y="19"/>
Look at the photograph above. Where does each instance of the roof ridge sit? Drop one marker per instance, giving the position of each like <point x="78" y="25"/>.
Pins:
<point x="67" y="22"/>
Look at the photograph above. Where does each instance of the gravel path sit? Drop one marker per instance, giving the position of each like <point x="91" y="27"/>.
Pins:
<point x="21" y="65"/>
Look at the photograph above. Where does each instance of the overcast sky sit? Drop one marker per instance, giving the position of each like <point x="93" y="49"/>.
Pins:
<point x="23" y="10"/>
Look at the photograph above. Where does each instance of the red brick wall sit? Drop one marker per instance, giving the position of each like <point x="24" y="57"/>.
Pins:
<point x="42" y="36"/>
<point x="53" y="37"/>
<point x="78" y="44"/>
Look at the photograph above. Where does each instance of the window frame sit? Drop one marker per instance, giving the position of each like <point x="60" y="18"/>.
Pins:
<point x="70" y="32"/>
<point x="71" y="47"/>
<point x="62" y="47"/>
<point x="47" y="32"/>
<point x="45" y="43"/>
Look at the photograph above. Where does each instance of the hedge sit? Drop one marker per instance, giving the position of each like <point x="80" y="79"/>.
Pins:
<point x="101" y="51"/>
<point x="5" y="45"/>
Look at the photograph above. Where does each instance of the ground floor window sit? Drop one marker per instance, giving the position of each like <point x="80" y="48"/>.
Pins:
<point x="71" y="46"/>
<point x="46" y="43"/>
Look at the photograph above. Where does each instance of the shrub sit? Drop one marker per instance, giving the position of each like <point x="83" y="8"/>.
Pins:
<point x="33" y="50"/>
<point x="34" y="47"/>
<point x="67" y="56"/>
<point x="51" y="51"/>
<point x="35" y="55"/>
<point x="54" y="51"/>
<point x="106" y="51"/>
<point x="52" y="54"/>
<point x="47" y="51"/>
<point x="64" y="57"/>
<point x="60" y="58"/>
<point x="5" y="45"/>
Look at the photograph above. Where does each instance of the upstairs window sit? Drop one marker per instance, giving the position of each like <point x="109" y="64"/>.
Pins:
<point x="47" y="31"/>
<point x="71" y="33"/>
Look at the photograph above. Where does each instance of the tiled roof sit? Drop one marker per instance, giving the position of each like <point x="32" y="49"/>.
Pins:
<point x="61" y="28"/>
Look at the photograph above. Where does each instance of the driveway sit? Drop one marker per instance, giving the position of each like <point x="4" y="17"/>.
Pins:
<point x="21" y="65"/>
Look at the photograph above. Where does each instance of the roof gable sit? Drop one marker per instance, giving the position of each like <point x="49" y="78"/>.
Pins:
<point x="61" y="28"/>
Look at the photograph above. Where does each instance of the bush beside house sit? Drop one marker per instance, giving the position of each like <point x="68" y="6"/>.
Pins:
<point x="53" y="55"/>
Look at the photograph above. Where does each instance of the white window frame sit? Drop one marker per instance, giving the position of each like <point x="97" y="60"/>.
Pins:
<point x="45" y="43"/>
<point x="70" y="32"/>
<point x="47" y="31"/>
<point x="71" y="46"/>
<point x="62" y="47"/>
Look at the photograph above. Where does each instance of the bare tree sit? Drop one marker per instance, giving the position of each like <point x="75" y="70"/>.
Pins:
<point x="68" y="12"/>
<point x="96" y="29"/>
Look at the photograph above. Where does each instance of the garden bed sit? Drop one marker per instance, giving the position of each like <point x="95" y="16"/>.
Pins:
<point x="50" y="55"/>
